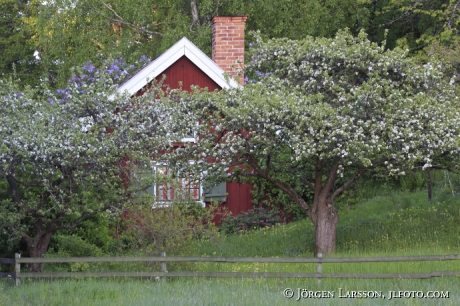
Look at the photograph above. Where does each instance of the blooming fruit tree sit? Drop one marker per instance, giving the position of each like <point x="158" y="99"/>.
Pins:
<point x="318" y="114"/>
<point x="63" y="156"/>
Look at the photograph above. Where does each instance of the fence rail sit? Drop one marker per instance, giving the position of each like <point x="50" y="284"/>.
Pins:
<point x="17" y="261"/>
<point x="241" y="259"/>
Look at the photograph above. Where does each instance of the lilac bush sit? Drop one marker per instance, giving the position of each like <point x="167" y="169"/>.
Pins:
<point x="117" y="70"/>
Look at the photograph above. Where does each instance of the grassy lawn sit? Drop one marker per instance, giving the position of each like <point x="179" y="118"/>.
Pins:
<point x="194" y="291"/>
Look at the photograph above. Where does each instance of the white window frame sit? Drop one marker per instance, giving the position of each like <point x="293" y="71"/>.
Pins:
<point x="188" y="139"/>
<point x="166" y="202"/>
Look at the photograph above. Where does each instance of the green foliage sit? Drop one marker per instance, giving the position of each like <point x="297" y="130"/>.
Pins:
<point x="169" y="229"/>
<point x="414" y="181"/>
<point x="265" y="193"/>
<point x="297" y="19"/>
<point x="71" y="246"/>
<point x="253" y="219"/>
<point x="411" y="222"/>
<point x="71" y="35"/>
<point x="97" y="231"/>
<point x="17" y="55"/>
<point x="268" y="195"/>
<point x="425" y="27"/>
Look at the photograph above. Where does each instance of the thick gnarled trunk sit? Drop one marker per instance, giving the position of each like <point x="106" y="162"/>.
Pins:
<point x="324" y="215"/>
<point x="325" y="221"/>
<point x="37" y="247"/>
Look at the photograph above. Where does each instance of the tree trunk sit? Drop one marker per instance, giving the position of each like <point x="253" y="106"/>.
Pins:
<point x="37" y="246"/>
<point x="326" y="220"/>
<point x="429" y="186"/>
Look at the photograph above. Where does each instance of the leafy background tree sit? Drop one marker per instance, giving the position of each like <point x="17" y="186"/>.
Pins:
<point x="16" y="45"/>
<point x="67" y="34"/>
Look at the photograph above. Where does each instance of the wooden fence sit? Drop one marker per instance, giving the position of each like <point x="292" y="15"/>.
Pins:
<point x="164" y="273"/>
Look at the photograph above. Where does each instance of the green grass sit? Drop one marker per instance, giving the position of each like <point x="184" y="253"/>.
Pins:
<point x="218" y="292"/>
<point x="388" y="224"/>
<point x="399" y="223"/>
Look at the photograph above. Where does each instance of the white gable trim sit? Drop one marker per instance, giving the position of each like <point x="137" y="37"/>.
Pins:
<point x="183" y="47"/>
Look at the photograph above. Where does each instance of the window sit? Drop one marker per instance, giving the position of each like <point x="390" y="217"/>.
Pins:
<point x="164" y="185"/>
<point x="173" y="186"/>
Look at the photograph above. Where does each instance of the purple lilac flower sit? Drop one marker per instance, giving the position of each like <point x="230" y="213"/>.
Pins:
<point x="144" y="59"/>
<point x="115" y="68"/>
<point x="89" y="67"/>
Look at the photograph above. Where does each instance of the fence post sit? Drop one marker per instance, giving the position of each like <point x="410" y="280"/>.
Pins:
<point x="17" y="269"/>
<point x="163" y="266"/>
<point x="319" y="269"/>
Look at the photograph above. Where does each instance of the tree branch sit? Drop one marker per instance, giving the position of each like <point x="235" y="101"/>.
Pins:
<point x="348" y="183"/>
<point x="195" y="16"/>
<point x="14" y="189"/>
<point x="283" y="186"/>
<point x="81" y="219"/>
<point x="121" y="20"/>
<point x="332" y="175"/>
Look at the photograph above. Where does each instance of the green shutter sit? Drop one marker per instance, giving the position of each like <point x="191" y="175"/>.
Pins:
<point x="150" y="190"/>
<point x="215" y="192"/>
<point x="138" y="177"/>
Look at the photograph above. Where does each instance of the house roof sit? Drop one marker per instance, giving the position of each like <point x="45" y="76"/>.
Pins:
<point x="183" y="47"/>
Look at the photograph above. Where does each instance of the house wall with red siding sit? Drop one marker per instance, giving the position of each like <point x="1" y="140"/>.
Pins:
<point x="239" y="197"/>
<point x="184" y="72"/>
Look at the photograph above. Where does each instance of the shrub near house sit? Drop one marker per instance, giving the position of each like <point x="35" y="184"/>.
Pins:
<point x="253" y="219"/>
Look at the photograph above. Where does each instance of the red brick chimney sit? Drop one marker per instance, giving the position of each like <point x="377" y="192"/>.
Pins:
<point x="228" y="44"/>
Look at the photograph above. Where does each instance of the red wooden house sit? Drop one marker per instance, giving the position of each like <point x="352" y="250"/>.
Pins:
<point x="185" y="65"/>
